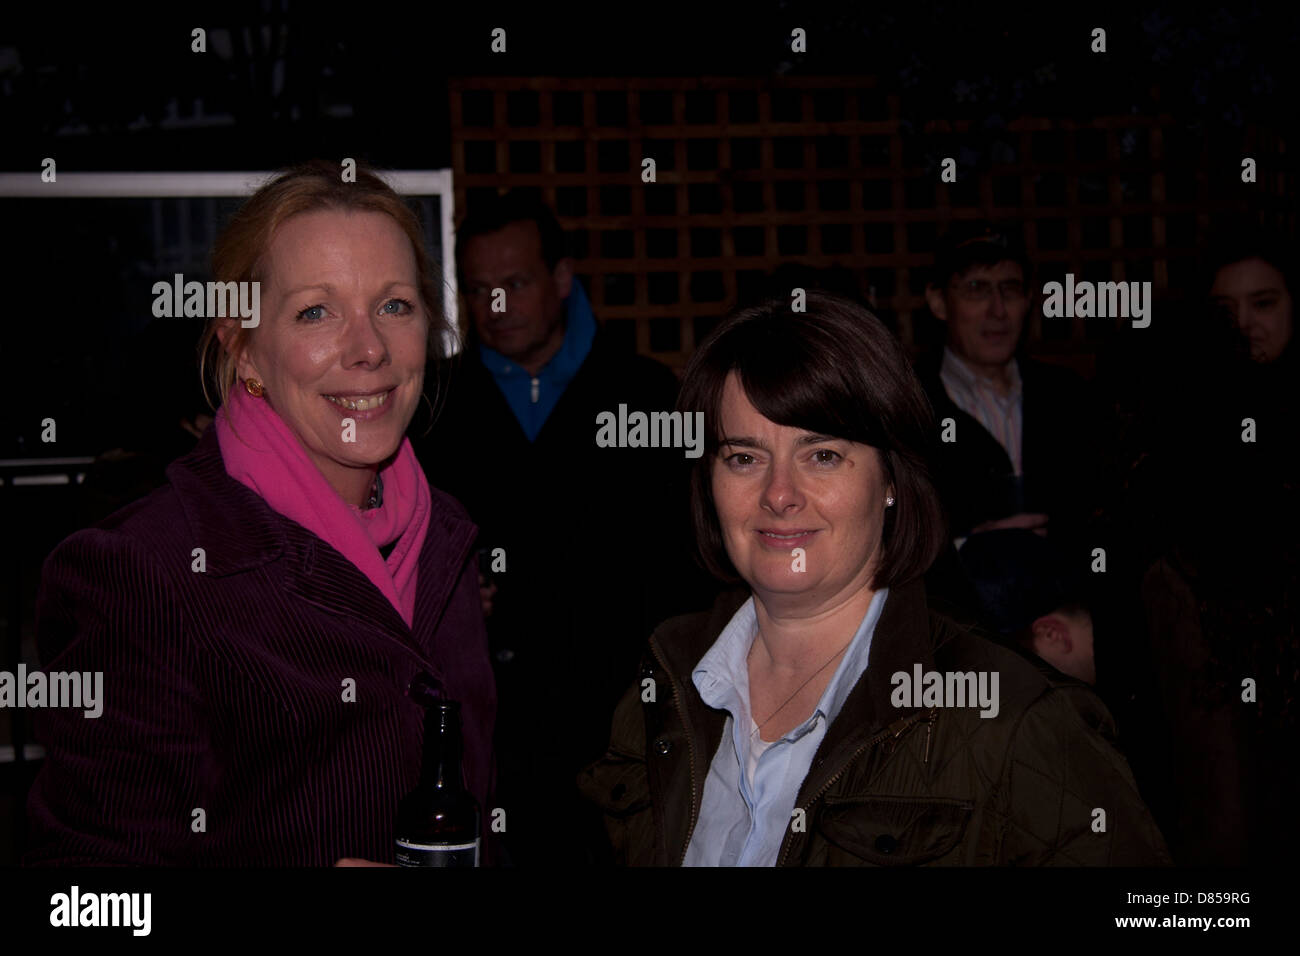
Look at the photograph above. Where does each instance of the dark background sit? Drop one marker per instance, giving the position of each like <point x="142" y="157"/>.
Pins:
<point x="104" y="91"/>
<point x="116" y="88"/>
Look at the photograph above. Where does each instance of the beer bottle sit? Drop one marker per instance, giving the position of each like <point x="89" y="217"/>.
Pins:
<point x="438" y="821"/>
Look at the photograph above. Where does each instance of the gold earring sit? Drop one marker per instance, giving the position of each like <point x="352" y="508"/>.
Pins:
<point x="254" y="387"/>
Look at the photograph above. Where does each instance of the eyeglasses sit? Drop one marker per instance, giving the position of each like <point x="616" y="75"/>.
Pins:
<point x="981" y="290"/>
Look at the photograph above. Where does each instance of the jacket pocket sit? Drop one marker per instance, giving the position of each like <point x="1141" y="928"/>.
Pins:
<point x="890" y="831"/>
<point x="617" y="784"/>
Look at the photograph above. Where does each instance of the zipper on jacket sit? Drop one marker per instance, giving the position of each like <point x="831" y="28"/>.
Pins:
<point x="894" y="731"/>
<point x="690" y="749"/>
<point x="929" y="732"/>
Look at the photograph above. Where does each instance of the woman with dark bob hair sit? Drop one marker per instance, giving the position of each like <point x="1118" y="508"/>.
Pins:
<point x="269" y="622"/>
<point x="1253" y="275"/>
<point x="820" y="713"/>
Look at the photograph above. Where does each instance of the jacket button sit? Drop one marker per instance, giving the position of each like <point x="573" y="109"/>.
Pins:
<point x="663" y="746"/>
<point x="886" y="844"/>
<point x="424" y="687"/>
<point x="618" y="791"/>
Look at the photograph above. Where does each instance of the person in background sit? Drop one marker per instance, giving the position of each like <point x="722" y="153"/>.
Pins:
<point x="1218" y="497"/>
<point x="1021" y="439"/>
<point x="1253" y="274"/>
<point x="586" y="547"/>
<point x="1030" y="600"/>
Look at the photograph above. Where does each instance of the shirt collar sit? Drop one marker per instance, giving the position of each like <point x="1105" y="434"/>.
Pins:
<point x="722" y="675"/>
<point x="954" y="366"/>
<point x="854" y="662"/>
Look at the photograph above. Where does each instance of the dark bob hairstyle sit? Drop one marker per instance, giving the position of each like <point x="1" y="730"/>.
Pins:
<point x="834" y="370"/>
<point x="1238" y="241"/>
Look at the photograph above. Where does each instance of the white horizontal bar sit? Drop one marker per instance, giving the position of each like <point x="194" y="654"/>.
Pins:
<point x="30" y="752"/>
<point x="39" y="480"/>
<point x="415" y="182"/>
<point x="124" y="185"/>
<point x="44" y="462"/>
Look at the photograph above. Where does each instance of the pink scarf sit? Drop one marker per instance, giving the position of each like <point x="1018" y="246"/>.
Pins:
<point x="267" y="457"/>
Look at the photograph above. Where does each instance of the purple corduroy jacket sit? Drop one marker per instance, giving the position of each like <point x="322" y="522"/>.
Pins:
<point x="224" y="688"/>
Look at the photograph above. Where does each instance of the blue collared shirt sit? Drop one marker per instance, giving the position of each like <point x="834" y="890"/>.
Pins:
<point x="744" y="824"/>
<point x="533" y="398"/>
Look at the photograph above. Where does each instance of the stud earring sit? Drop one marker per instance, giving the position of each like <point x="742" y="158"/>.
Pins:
<point x="889" y="502"/>
<point x="254" y="387"/>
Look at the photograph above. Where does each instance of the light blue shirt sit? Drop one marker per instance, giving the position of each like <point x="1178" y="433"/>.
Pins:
<point x="742" y="824"/>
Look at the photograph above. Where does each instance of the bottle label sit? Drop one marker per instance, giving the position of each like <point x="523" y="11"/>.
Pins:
<point x="437" y="854"/>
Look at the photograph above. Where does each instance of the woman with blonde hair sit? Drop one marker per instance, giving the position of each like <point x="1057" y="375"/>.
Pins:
<point x="259" y="620"/>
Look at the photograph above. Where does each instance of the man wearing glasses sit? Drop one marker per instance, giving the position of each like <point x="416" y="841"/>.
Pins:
<point x="1012" y="446"/>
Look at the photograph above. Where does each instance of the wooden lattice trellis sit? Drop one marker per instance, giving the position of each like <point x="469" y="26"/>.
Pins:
<point x="754" y="173"/>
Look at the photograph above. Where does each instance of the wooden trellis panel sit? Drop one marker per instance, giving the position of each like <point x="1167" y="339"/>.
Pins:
<point x="755" y="173"/>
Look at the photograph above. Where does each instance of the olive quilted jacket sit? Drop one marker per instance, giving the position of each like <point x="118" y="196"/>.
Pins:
<point x="1040" y="783"/>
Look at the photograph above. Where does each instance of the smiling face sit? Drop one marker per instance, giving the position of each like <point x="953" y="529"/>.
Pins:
<point x="341" y="317"/>
<point x="777" y="488"/>
<point x="1254" y="295"/>
<point x="531" y="329"/>
<point x="985" y="310"/>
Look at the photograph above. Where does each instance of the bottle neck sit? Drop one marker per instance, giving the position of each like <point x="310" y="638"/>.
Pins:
<point x="442" y="748"/>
